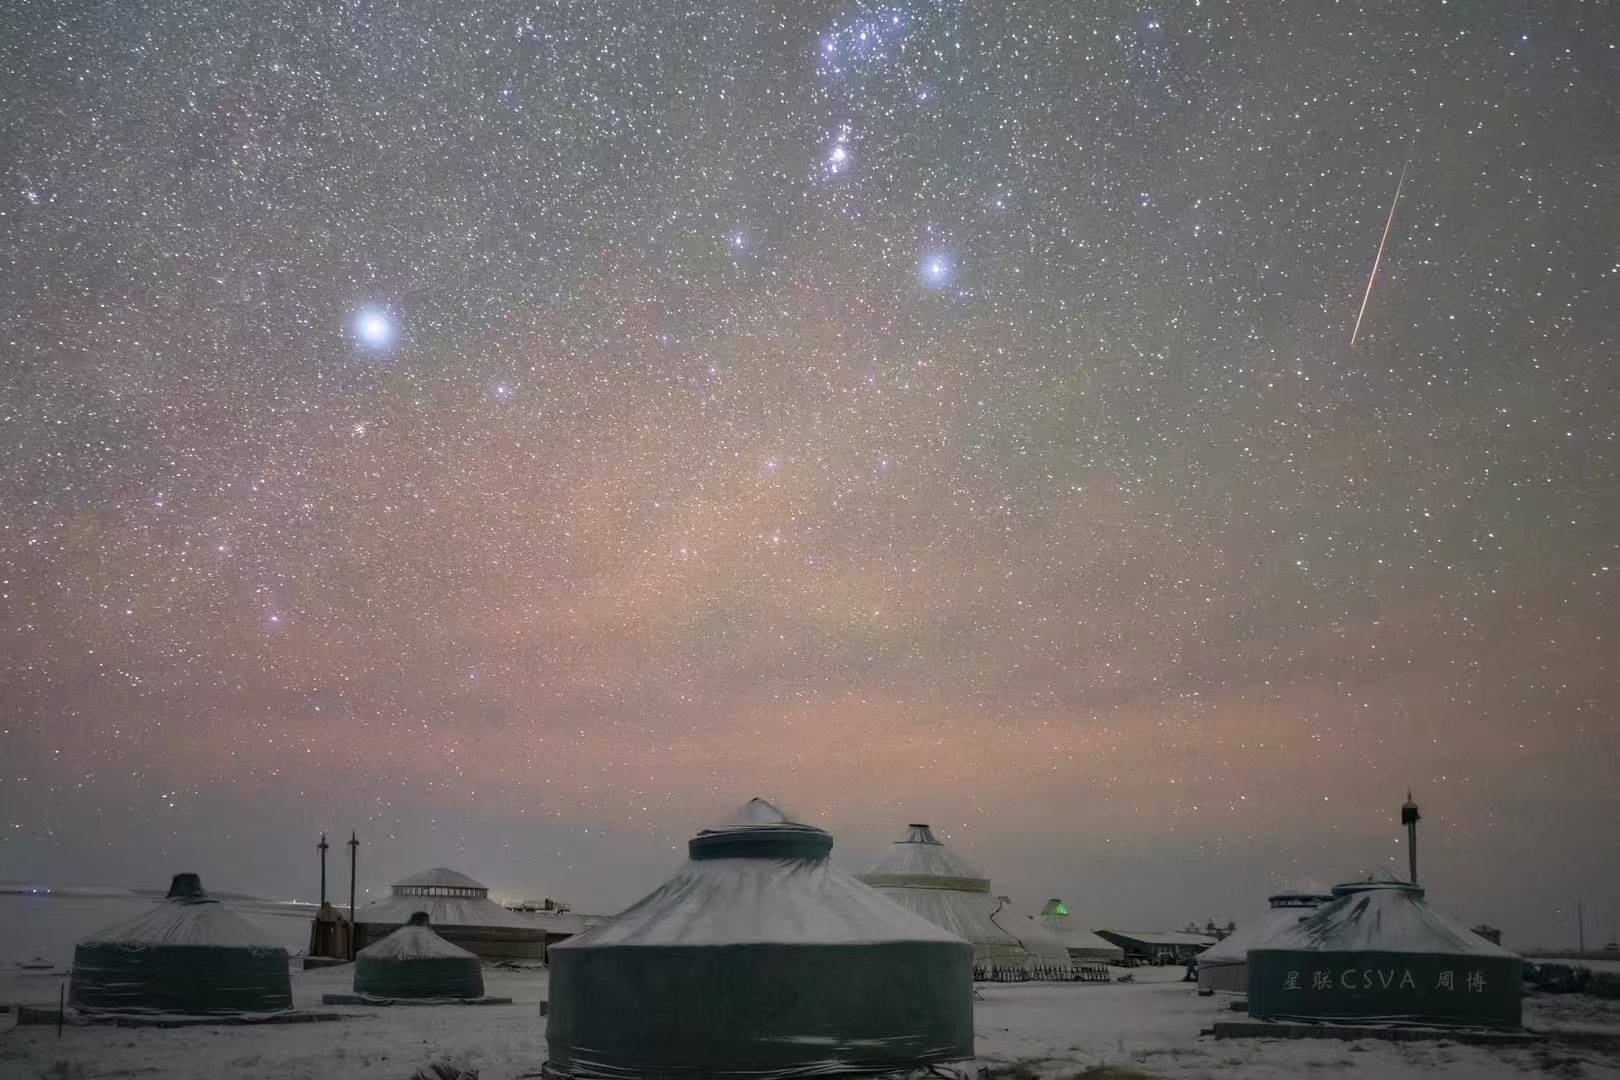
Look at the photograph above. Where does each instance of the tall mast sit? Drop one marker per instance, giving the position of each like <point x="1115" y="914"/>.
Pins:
<point x="1409" y="818"/>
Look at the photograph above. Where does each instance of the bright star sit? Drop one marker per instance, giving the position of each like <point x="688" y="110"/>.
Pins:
<point x="374" y="328"/>
<point x="936" y="270"/>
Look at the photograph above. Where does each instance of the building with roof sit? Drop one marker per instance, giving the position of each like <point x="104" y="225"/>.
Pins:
<point x="1084" y="946"/>
<point x="460" y="910"/>
<point x="759" y="959"/>
<point x="1378" y="952"/>
<point x="925" y="876"/>
<point x="1158" y="946"/>
<point x="415" y="962"/>
<point x="1225" y="965"/>
<point x="188" y="956"/>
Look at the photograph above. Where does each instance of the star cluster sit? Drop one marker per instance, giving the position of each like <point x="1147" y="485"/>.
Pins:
<point x="520" y="431"/>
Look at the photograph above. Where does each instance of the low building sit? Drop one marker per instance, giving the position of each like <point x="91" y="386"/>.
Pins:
<point x="1158" y="947"/>
<point x="460" y="910"/>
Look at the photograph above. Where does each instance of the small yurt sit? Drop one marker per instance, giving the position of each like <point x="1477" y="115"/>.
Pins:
<point x="414" y="962"/>
<point x="461" y="912"/>
<point x="1084" y="946"/>
<point x="188" y="956"/>
<point x="923" y="875"/>
<point x="1225" y="965"/>
<point x="1378" y="953"/>
<point x="759" y="959"/>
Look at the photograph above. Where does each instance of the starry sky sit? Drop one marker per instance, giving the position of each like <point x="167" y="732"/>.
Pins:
<point x="521" y="432"/>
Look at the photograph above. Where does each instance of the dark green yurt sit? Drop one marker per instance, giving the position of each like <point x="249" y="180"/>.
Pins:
<point x="758" y="959"/>
<point x="188" y="956"/>
<point x="414" y="962"/>
<point x="1377" y="953"/>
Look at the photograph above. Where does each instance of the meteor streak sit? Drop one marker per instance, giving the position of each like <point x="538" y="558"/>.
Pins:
<point x="1372" y="277"/>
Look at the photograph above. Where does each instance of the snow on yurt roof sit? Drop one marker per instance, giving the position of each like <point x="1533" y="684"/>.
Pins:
<point x="416" y="941"/>
<point x="440" y="876"/>
<point x="444" y="911"/>
<point x="762" y="881"/>
<point x="187" y="916"/>
<point x="1383" y="916"/>
<point x="1040" y="942"/>
<point x="1284" y="911"/>
<point x="930" y="879"/>
<point x="919" y="860"/>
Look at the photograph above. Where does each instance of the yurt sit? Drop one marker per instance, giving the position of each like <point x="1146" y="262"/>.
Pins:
<point x="460" y="911"/>
<point x="1045" y="948"/>
<point x="1378" y="953"/>
<point x="1225" y="965"/>
<point x="758" y="959"/>
<point x="1084" y="946"/>
<point x="414" y="962"/>
<point x="188" y="956"/>
<point x="924" y="876"/>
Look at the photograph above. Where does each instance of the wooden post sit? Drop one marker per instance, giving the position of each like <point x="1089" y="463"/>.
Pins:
<point x="354" y="846"/>
<point x="323" y="845"/>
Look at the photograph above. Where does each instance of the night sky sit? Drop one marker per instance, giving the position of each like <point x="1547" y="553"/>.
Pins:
<point x="522" y="432"/>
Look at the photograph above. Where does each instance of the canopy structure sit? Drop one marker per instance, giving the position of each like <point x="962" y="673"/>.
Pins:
<point x="1083" y="945"/>
<point x="924" y="876"/>
<point x="461" y="911"/>
<point x="1378" y="952"/>
<point x="188" y="956"/>
<point x="414" y="962"/>
<point x="1225" y="965"/>
<point x="759" y="961"/>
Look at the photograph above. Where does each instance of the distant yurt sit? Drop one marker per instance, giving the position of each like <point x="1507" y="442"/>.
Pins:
<point x="414" y="962"/>
<point x="1225" y="965"/>
<point x="188" y="956"/>
<point x="758" y="959"/>
<point x="1378" y="952"/>
<point x="923" y="875"/>
<point x="1084" y="946"/>
<point x="460" y="911"/>
<point x="1044" y="947"/>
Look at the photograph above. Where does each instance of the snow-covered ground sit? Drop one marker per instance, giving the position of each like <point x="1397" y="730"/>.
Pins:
<point x="1151" y="1026"/>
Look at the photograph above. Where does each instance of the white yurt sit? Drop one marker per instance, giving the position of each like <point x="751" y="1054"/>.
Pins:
<point x="460" y="911"/>
<point x="924" y="876"/>
<point x="758" y="959"/>
<point x="1225" y="965"/>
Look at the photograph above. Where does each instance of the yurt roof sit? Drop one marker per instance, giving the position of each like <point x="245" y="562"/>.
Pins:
<point x="188" y="916"/>
<point x="1252" y="933"/>
<point x="1382" y="916"/>
<point x="416" y="941"/>
<point x="919" y="860"/>
<point x="762" y="883"/>
<point x="444" y="911"/>
<point x="440" y="876"/>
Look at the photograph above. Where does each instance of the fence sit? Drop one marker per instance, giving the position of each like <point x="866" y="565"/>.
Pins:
<point x="1018" y="973"/>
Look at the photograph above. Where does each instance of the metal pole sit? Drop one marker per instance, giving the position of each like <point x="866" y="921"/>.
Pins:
<point x="1580" y="927"/>
<point x="354" y="846"/>
<point x="1411" y="850"/>
<point x="61" y="1008"/>
<point x="323" y="845"/>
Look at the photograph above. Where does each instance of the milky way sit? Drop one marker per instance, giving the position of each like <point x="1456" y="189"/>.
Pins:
<point x="522" y="432"/>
